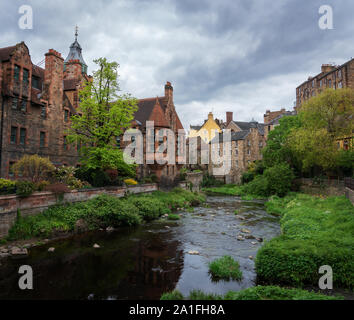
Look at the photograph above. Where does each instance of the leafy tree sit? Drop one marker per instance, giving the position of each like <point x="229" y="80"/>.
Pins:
<point x="324" y="118"/>
<point x="278" y="149"/>
<point x="103" y="115"/>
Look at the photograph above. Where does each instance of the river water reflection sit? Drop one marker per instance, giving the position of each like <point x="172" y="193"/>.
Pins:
<point x="144" y="262"/>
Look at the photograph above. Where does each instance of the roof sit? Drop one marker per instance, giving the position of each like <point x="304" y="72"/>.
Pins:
<point x="5" y="53"/>
<point x="197" y="128"/>
<point x="235" y="136"/>
<point x="276" y="119"/>
<point x="75" y="53"/>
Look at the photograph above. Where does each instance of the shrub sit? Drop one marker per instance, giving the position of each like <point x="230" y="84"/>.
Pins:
<point x="259" y="186"/>
<point x="172" y="216"/>
<point x="66" y="175"/>
<point x="33" y="168"/>
<point x="7" y="186"/>
<point x="25" y="188"/>
<point x="130" y="182"/>
<point x="210" y="180"/>
<point x="41" y="185"/>
<point x="149" y="208"/>
<point x="279" y="179"/>
<point x="183" y="174"/>
<point x="225" y="268"/>
<point x="95" y="177"/>
<point x="247" y="177"/>
<point x="173" y="295"/>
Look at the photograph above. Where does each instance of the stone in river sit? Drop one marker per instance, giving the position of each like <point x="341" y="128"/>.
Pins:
<point x="17" y="252"/>
<point x="109" y="229"/>
<point x="249" y="236"/>
<point x="245" y="231"/>
<point x="254" y="242"/>
<point x="250" y="257"/>
<point x="51" y="249"/>
<point x="96" y="246"/>
<point x="193" y="252"/>
<point x="240" y="238"/>
<point x="259" y="239"/>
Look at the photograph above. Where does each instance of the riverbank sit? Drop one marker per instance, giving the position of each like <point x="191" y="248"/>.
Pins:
<point x="232" y="190"/>
<point x="101" y="212"/>
<point x="315" y="232"/>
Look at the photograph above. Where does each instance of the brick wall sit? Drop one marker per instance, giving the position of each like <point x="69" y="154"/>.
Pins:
<point x="40" y="201"/>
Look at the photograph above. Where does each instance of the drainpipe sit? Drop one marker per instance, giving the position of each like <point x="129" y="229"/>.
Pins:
<point x="1" y="130"/>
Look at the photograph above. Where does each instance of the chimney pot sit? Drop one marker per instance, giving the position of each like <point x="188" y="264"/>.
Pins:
<point x="229" y="116"/>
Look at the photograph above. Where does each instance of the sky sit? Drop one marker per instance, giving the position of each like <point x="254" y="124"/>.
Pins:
<point x="244" y="56"/>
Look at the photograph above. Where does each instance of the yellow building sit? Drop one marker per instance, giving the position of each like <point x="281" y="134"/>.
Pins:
<point x="207" y="131"/>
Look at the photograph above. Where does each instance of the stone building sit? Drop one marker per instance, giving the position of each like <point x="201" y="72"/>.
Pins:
<point x="206" y="131"/>
<point x="271" y="119"/>
<point x="36" y="104"/>
<point x="247" y="142"/>
<point x="331" y="76"/>
<point x="162" y="111"/>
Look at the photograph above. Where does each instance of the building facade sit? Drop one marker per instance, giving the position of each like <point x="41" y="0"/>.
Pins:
<point x="331" y="76"/>
<point x="208" y="130"/>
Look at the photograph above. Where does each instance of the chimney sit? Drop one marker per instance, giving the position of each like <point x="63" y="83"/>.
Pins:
<point x="210" y="116"/>
<point x="327" y="68"/>
<point x="228" y="117"/>
<point x="53" y="77"/>
<point x="169" y="91"/>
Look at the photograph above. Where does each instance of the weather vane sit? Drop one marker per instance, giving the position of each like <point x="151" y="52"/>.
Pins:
<point x="76" y="32"/>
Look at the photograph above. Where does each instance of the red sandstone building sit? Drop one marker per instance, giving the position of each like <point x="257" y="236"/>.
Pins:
<point x="36" y="105"/>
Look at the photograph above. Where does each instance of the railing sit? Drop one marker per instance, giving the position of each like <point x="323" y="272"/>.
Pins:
<point x="349" y="183"/>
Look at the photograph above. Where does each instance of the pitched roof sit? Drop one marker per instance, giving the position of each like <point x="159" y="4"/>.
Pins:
<point x="158" y="116"/>
<point x="197" y="128"/>
<point x="235" y="136"/>
<point x="5" y="53"/>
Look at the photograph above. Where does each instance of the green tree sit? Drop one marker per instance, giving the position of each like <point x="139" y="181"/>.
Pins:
<point x="324" y="118"/>
<point x="103" y="115"/>
<point x="278" y="149"/>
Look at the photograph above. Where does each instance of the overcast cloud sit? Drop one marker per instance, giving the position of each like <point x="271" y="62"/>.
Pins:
<point x="244" y="56"/>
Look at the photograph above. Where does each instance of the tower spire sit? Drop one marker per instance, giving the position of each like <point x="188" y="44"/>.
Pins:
<point x="76" y="32"/>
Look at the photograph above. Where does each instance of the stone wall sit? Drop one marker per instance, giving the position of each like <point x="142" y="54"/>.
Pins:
<point x="194" y="179"/>
<point x="39" y="201"/>
<point x="349" y="193"/>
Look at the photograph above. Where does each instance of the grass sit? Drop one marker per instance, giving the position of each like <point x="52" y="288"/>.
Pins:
<point x="231" y="190"/>
<point x="101" y="212"/>
<point x="315" y="232"/>
<point x="225" y="268"/>
<point x="173" y="216"/>
<point x="254" y="293"/>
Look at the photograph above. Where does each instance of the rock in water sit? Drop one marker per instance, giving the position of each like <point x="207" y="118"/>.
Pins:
<point x="259" y="239"/>
<point x="109" y="229"/>
<point x="245" y="231"/>
<point x="19" y="252"/>
<point x="96" y="246"/>
<point x="51" y="249"/>
<point x="240" y="238"/>
<point x="81" y="226"/>
<point x="249" y="236"/>
<point x="193" y="252"/>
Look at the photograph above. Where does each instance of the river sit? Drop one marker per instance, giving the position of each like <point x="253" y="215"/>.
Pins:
<point x="144" y="262"/>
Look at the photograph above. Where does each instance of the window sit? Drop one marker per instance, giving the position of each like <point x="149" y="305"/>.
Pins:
<point x="16" y="72"/>
<point x="23" y="105"/>
<point x="321" y="83"/>
<point x="11" y="171"/>
<point x="44" y="112"/>
<point x="236" y="163"/>
<point x="249" y="143"/>
<point x="13" y="136"/>
<point x="35" y="82"/>
<point x="66" y="115"/>
<point x="65" y="144"/>
<point x="23" y="136"/>
<point x="340" y="84"/>
<point x="339" y="73"/>
<point x="260" y="144"/>
<point x="14" y="103"/>
<point x="313" y="83"/>
<point x="25" y="76"/>
<point x="42" y="139"/>
<point x="248" y="151"/>
<point x="269" y="128"/>
<point x="330" y="83"/>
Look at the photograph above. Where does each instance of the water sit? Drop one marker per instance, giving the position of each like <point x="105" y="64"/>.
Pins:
<point x="146" y="261"/>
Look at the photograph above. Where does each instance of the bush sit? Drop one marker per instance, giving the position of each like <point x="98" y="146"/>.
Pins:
<point x="173" y="295"/>
<point x="149" y="208"/>
<point x="66" y="175"/>
<point x="130" y="182"/>
<point x="172" y="216"/>
<point x="259" y="186"/>
<point x="33" y="168"/>
<point x="279" y="179"/>
<point x="25" y="188"/>
<point x="247" y="177"/>
<point x="7" y="186"/>
<point x="225" y="268"/>
<point x="315" y="232"/>
<point x="210" y="181"/>
<point x="95" y="177"/>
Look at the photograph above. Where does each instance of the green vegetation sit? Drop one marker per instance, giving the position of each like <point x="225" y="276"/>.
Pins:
<point x="225" y="268"/>
<point x="101" y="212"/>
<point x="172" y="216"/>
<point x="316" y="232"/>
<point x="7" y="186"/>
<point x="232" y="190"/>
<point x="254" y="293"/>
